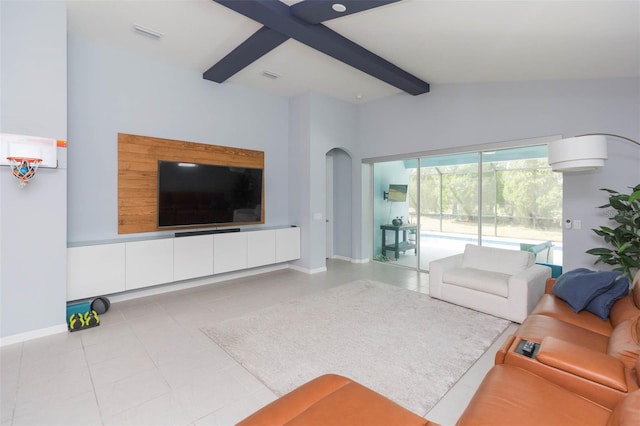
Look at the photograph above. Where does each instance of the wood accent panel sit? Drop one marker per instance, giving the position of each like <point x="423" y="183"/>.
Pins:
<point x="138" y="175"/>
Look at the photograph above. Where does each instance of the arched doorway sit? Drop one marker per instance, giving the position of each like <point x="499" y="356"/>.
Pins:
<point x="338" y="204"/>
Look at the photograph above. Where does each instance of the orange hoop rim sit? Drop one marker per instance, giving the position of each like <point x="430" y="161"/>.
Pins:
<point x="27" y="159"/>
<point x="18" y="167"/>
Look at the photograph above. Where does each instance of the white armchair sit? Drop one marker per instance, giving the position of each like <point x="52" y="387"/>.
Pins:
<point x="504" y="283"/>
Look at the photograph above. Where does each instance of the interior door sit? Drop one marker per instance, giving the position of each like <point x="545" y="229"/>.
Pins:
<point x="329" y="206"/>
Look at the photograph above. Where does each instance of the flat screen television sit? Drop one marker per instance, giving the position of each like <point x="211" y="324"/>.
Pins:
<point x="191" y="194"/>
<point x="397" y="193"/>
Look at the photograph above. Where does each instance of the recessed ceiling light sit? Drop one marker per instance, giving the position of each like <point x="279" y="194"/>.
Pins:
<point x="359" y="96"/>
<point x="270" y="74"/>
<point x="156" y="35"/>
<point x="339" y="7"/>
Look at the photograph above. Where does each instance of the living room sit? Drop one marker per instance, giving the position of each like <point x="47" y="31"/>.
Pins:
<point x="66" y="86"/>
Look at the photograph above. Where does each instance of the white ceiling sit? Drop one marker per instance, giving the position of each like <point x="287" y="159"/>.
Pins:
<point x="438" y="41"/>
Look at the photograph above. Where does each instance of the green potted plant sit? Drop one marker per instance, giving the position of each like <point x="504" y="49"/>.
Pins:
<point x="625" y="238"/>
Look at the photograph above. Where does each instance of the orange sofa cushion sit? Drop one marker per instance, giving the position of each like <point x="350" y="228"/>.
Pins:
<point x="555" y="307"/>
<point x="511" y="396"/>
<point x="333" y="400"/>
<point x="537" y="327"/>
<point x="627" y="413"/>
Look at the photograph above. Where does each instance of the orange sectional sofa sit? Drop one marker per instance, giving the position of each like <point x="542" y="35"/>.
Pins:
<point x="585" y="371"/>
<point x="581" y="370"/>
<point x="595" y="358"/>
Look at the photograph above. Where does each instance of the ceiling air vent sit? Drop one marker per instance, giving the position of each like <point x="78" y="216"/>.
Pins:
<point x="270" y="74"/>
<point x="148" y="32"/>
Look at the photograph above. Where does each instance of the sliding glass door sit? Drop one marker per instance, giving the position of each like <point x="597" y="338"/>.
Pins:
<point x="522" y="202"/>
<point x="394" y="226"/>
<point x="448" y="205"/>
<point x="430" y="207"/>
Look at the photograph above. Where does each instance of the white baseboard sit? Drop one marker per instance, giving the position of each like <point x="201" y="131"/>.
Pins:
<point x="33" y="334"/>
<point x="345" y="258"/>
<point x="307" y="270"/>
<point x="350" y="259"/>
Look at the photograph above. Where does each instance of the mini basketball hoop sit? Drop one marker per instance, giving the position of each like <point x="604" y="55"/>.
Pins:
<point x="24" y="168"/>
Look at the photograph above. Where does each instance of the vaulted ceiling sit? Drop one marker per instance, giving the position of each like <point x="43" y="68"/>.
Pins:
<point x="303" y="22"/>
<point x="434" y="41"/>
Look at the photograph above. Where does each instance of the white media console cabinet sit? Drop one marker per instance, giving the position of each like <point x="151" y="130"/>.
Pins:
<point x="96" y="269"/>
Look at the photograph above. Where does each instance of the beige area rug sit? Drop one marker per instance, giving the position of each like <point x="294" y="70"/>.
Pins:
<point x="403" y="344"/>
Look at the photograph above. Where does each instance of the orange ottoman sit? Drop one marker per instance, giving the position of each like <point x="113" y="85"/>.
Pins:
<point x="333" y="400"/>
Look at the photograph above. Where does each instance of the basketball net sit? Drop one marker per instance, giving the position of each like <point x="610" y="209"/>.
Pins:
<point x="24" y="169"/>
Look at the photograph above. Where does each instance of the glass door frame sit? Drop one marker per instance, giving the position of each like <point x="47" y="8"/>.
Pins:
<point x="479" y="149"/>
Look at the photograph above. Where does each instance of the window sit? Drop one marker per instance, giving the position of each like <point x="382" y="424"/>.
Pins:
<point x="507" y="198"/>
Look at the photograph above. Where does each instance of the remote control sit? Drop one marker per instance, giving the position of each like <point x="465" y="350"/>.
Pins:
<point x="528" y="348"/>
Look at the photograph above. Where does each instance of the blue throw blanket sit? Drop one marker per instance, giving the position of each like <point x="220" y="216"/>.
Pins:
<point x="579" y="286"/>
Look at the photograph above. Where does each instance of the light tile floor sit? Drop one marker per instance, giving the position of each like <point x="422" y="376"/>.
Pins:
<point x="148" y="363"/>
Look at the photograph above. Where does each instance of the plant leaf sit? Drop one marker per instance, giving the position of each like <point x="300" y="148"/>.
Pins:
<point x="610" y="191"/>
<point x="634" y="196"/>
<point x="599" y="251"/>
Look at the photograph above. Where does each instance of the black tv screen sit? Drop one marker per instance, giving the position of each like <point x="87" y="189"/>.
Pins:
<point x="205" y="194"/>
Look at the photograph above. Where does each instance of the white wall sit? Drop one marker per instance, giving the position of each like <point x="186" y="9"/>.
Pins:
<point x="299" y="177"/>
<point x="318" y="124"/>
<point x="113" y="92"/>
<point x="470" y="114"/>
<point x="33" y="220"/>
<point x="333" y="126"/>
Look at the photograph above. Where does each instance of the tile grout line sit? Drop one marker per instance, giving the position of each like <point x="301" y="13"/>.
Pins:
<point x="15" y="397"/>
<point x="155" y="365"/>
<point x="93" y="385"/>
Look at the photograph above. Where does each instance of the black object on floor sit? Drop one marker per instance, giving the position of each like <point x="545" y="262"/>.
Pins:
<point x="100" y="305"/>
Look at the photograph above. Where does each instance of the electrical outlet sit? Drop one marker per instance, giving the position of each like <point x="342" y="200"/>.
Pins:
<point x="577" y="224"/>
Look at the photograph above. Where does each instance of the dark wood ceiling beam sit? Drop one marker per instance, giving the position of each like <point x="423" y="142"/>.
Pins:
<point x="259" y="44"/>
<point x="277" y="16"/>
<point x="317" y="11"/>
